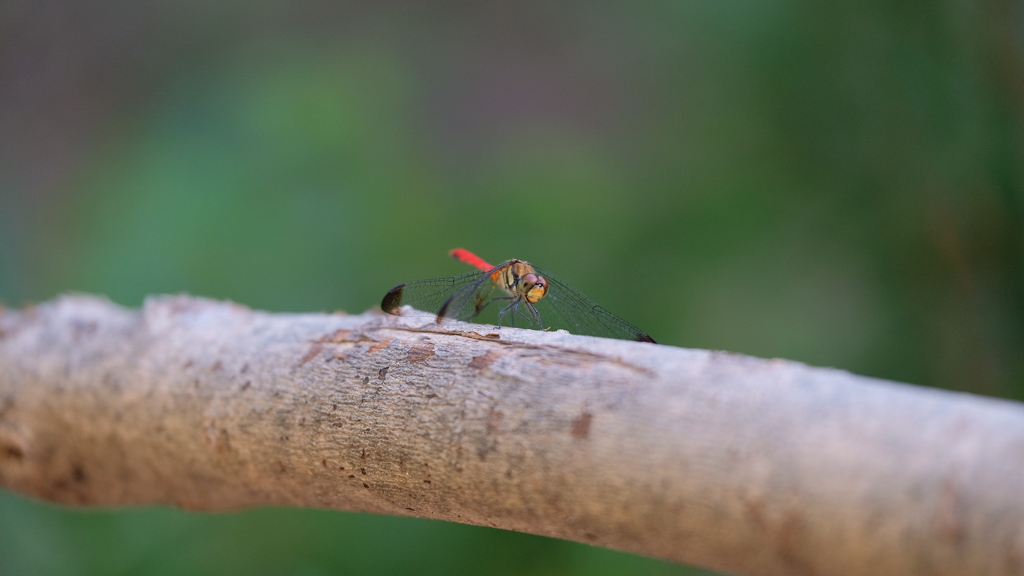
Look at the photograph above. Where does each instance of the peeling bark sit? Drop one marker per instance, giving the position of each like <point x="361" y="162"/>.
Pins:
<point x="719" y="460"/>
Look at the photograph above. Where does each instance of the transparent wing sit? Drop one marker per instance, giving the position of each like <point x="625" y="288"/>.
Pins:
<point x="460" y="297"/>
<point x="568" y="308"/>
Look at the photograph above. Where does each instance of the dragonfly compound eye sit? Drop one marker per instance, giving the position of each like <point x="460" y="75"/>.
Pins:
<point x="538" y="287"/>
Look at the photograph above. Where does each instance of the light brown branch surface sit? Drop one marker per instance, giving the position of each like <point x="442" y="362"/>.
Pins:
<point x="714" y="459"/>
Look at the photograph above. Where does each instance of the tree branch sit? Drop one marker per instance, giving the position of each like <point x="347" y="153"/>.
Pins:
<point x="714" y="459"/>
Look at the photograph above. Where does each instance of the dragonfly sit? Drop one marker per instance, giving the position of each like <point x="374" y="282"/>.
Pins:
<point x="529" y="296"/>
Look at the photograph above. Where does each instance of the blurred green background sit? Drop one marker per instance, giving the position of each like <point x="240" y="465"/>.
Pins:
<point x="838" y="185"/>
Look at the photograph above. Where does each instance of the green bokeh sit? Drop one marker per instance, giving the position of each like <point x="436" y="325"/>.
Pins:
<point x="838" y="185"/>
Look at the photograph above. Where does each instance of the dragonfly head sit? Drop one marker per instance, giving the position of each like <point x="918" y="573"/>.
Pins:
<point x="533" y="287"/>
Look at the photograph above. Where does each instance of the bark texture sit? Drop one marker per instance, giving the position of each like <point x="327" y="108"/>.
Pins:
<point x="734" y="463"/>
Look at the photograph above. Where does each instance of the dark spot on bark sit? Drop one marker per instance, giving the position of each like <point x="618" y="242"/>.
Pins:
<point x="284" y="438"/>
<point x="352" y="476"/>
<point x="363" y="471"/>
<point x="410" y="509"/>
<point x="78" y="474"/>
<point x="338" y="424"/>
<point x="247" y="385"/>
<point x="378" y="346"/>
<point x="431" y="395"/>
<point x="363" y="454"/>
<point x="323" y="462"/>
<point x="221" y="441"/>
<point x="790" y="534"/>
<point x="427" y="482"/>
<point x="365" y="485"/>
<point x="383" y="372"/>
<point x="245" y="368"/>
<point x="494" y="419"/>
<point x="590" y="536"/>
<point x="421" y="353"/>
<point x="484" y="449"/>
<point x="755" y="511"/>
<point x="581" y="425"/>
<point x="341" y="467"/>
<point x="366" y="380"/>
<point x="12" y="452"/>
<point x="313" y="352"/>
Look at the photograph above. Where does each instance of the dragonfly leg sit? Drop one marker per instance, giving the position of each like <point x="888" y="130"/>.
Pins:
<point x="514" y="306"/>
<point x="535" y="314"/>
<point x="520" y="313"/>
